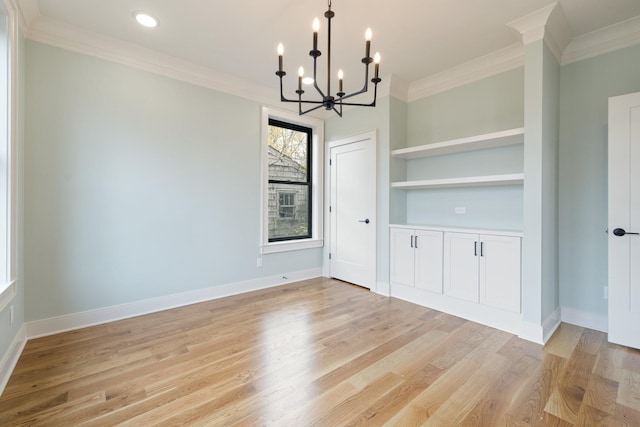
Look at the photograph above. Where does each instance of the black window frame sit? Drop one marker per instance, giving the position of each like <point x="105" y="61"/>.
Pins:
<point x="308" y="183"/>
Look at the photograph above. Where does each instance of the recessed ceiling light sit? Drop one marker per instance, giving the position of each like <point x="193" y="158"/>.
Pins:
<point x="145" y="19"/>
<point x="307" y="80"/>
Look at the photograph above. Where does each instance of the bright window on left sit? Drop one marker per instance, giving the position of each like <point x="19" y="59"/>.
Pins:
<point x="7" y="156"/>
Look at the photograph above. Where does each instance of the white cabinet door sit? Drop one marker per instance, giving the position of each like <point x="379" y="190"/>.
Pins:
<point x="461" y="253"/>
<point x="428" y="260"/>
<point x="402" y="256"/>
<point x="500" y="275"/>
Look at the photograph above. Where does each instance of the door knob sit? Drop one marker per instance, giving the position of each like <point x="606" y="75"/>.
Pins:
<point x="621" y="232"/>
<point x="366" y="221"/>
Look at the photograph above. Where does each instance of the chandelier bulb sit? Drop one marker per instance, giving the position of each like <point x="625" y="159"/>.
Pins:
<point x="316" y="25"/>
<point x="280" y="49"/>
<point x="301" y="72"/>
<point x="367" y="34"/>
<point x="376" y="58"/>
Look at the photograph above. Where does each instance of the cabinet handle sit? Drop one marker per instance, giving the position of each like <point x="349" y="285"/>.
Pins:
<point x="475" y="248"/>
<point x="412" y="241"/>
<point x="481" y="248"/>
<point x="416" y="243"/>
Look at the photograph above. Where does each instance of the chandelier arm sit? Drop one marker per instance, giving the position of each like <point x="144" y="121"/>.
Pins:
<point x="310" y="109"/>
<point x="315" y="80"/>
<point x="358" y="104"/>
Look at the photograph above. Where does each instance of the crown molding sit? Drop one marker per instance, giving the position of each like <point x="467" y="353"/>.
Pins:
<point x="398" y="88"/>
<point x="28" y="12"/>
<point x="531" y="26"/>
<point x="477" y="69"/>
<point x="55" y="33"/>
<point x="548" y="24"/>
<point x="605" y="40"/>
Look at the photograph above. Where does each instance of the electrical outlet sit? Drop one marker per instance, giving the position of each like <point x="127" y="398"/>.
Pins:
<point x="11" y="315"/>
<point x="460" y="210"/>
<point x="606" y="292"/>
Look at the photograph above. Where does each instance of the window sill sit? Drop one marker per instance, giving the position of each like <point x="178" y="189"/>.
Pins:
<point x="7" y="293"/>
<point x="295" y="245"/>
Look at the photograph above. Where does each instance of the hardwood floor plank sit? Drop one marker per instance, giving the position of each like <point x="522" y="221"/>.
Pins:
<point x="566" y="399"/>
<point x="319" y="352"/>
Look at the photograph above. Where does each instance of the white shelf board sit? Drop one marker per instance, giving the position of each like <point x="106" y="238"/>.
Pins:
<point x="472" y="143"/>
<point x="472" y="181"/>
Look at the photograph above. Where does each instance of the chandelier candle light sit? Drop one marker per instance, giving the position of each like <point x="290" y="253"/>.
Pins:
<point x="330" y="102"/>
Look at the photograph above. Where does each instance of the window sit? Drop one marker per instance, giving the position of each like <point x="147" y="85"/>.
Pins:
<point x="8" y="27"/>
<point x="292" y="182"/>
<point x="289" y="163"/>
<point x="286" y="206"/>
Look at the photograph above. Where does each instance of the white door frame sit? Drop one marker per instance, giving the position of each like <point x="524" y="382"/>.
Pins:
<point x="371" y="135"/>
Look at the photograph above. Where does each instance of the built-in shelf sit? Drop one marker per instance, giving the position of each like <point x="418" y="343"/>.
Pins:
<point x="472" y="143"/>
<point x="472" y="181"/>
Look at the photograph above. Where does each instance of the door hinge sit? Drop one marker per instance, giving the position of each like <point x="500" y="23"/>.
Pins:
<point x="329" y="255"/>
<point x="329" y="209"/>
<point x="329" y="162"/>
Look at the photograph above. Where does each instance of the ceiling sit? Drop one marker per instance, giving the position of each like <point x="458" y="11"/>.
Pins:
<point x="416" y="38"/>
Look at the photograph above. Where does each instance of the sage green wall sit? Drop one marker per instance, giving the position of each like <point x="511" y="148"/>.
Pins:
<point x="136" y="186"/>
<point x="585" y="87"/>
<point x="488" y="105"/>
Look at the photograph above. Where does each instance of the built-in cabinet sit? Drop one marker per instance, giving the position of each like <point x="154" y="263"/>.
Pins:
<point x="476" y="267"/>
<point x="472" y="272"/>
<point x="483" y="268"/>
<point x="417" y="258"/>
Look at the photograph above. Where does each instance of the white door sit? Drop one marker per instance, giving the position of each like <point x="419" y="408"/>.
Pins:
<point x="624" y="220"/>
<point x="402" y="256"/>
<point x="500" y="272"/>
<point x="353" y="210"/>
<point x="428" y="251"/>
<point x="461" y="265"/>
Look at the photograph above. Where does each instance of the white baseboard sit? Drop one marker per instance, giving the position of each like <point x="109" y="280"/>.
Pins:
<point x="585" y="319"/>
<point x="493" y="317"/>
<point x="11" y="358"/>
<point x="383" y="289"/>
<point x="54" y="325"/>
<point x="540" y="334"/>
<point x="550" y="324"/>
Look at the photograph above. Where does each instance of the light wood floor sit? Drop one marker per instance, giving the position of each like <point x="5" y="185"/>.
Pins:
<point x="324" y="353"/>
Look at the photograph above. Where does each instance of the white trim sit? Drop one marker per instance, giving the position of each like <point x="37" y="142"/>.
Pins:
<point x="585" y="319"/>
<point x="605" y="40"/>
<point x="98" y="316"/>
<point x="56" y="33"/>
<point x="531" y="332"/>
<point x="293" y="245"/>
<point x="531" y="26"/>
<point x="496" y="318"/>
<point x="489" y="65"/>
<point x="7" y="293"/>
<point x="382" y="288"/>
<point x="550" y="324"/>
<point x="540" y="333"/>
<point x="28" y="10"/>
<point x="317" y="180"/>
<point x="10" y="359"/>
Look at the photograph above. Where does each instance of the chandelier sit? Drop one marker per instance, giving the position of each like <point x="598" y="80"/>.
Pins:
<point x="329" y="101"/>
